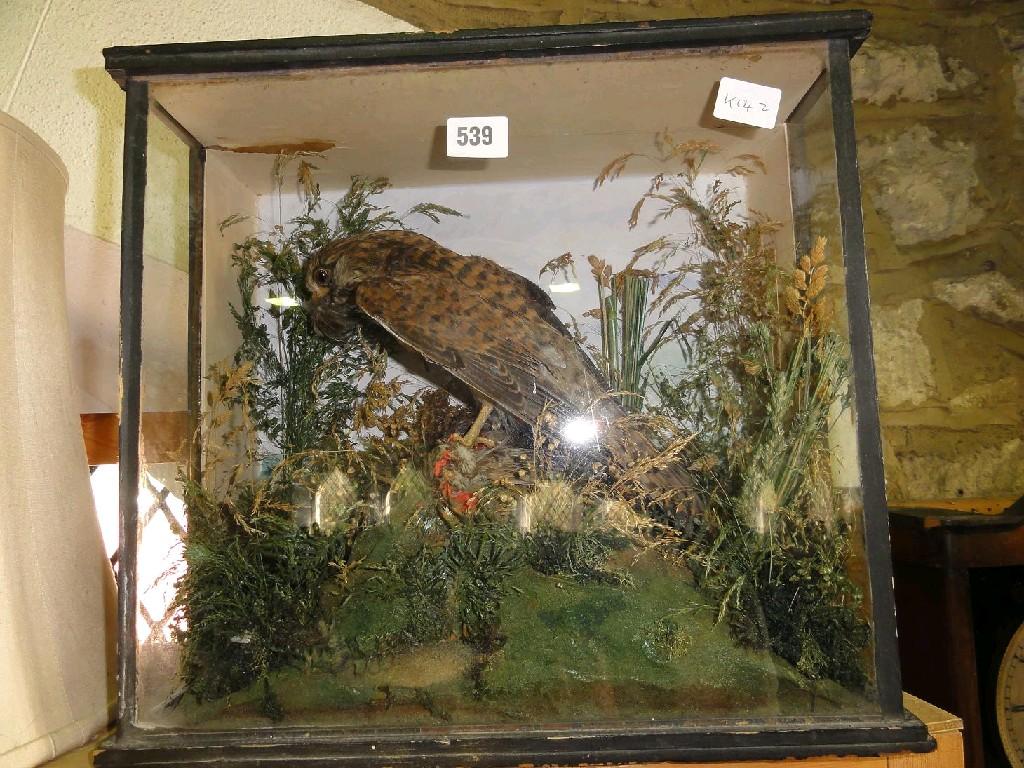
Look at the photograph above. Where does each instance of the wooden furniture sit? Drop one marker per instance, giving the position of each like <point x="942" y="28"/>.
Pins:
<point x="163" y="433"/>
<point x="938" y="549"/>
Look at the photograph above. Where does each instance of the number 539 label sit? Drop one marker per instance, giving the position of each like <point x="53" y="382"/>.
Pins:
<point x="478" y="136"/>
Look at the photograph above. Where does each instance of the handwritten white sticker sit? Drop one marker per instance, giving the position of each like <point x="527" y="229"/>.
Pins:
<point x="478" y="136"/>
<point x="742" y="102"/>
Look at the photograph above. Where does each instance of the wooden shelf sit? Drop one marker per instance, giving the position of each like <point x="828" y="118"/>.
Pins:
<point x="164" y="436"/>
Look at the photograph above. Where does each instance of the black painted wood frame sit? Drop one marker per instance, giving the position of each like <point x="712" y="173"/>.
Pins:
<point x="707" y="740"/>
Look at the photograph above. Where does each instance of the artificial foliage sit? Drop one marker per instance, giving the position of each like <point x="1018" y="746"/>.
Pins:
<point x="253" y="601"/>
<point x="521" y="562"/>
<point x="303" y="391"/>
<point x="257" y="594"/>
<point x="764" y="374"/>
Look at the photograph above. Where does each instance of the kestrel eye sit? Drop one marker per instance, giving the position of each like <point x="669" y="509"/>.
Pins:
<point x="322" y="277"/>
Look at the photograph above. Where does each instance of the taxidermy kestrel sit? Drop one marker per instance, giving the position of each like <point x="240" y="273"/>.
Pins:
<point x="489" y="327"/>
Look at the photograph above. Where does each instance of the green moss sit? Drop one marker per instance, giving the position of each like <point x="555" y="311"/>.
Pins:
<point x="571" y="649"/>
<point x="566" y="635"/>
<point x="420" y="587"/>
<point x="404" y="603"/>
<point x="579" y="554"/>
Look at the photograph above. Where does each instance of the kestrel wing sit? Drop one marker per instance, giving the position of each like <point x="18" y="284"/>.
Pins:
<point x="508" y="357"/>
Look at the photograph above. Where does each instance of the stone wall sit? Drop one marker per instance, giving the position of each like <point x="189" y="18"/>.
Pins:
<point x="940" y="120"/>
<point x="941" y="141"/>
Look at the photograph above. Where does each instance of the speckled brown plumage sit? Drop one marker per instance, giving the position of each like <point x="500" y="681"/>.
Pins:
<point x="491" y="328"/>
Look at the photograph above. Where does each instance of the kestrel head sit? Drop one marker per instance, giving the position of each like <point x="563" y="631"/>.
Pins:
<point x="330" y="295"/>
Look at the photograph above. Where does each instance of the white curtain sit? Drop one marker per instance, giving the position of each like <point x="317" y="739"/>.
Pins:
<point x="57" y="598"/>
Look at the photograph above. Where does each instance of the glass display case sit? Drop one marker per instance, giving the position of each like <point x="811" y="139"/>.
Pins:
<point x="528" y="401"/>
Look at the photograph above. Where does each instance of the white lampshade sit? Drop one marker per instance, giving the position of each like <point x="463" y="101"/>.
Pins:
<point x="56" y="589"/>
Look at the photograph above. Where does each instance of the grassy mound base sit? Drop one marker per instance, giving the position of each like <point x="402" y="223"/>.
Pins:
<point x="571" y="651"/>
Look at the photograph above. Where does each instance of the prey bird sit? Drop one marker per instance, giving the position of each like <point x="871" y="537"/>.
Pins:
<point x="490" y="328"/>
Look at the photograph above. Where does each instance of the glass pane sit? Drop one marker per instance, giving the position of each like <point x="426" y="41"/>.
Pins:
<point x="162" y="520"/>
<point x="819" y="236"/>
<point x="557" y="437"/>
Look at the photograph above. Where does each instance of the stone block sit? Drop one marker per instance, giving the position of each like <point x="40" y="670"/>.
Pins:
<point x="883" y="70"/>
<point x="903" y="363"/>
<point x="937" y="463"/>
<point x="920" y="187"/>
<point x="991" y="296"/>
